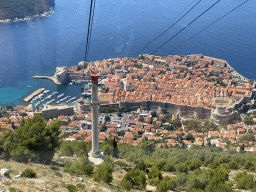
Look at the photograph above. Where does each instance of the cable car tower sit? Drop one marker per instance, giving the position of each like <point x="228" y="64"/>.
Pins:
<point x="95" y="156"/>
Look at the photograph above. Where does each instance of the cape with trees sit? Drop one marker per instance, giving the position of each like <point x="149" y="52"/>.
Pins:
<point x="13" y="9"/>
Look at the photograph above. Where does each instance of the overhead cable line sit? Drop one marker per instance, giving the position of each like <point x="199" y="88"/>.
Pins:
<point x="210" y="25"/>
<point x="179" y="14"/>
<point x="170" y="27"/>
<point x="187" y="26"/>
<point x="89" y="29"/>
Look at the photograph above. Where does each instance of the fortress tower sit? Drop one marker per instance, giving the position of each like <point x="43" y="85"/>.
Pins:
<point x="95" y="156"/>
<point x="220" y="115"/>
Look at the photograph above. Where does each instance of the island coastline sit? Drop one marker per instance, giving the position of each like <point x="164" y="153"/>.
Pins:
<point x="27" y="18"/>
<point x="11" y="12"/>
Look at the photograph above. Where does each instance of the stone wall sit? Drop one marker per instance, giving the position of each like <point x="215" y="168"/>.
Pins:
<point x="54" y="112"/>
<point x="220" y="116"/>
<point x="169" y="107"/>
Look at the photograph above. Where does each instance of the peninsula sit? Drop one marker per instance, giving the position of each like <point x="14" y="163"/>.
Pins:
<point x="13" y="11"/>
<point x="196" y="85"/>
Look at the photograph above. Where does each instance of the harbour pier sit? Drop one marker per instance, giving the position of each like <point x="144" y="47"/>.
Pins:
<point x="28" y="98"/>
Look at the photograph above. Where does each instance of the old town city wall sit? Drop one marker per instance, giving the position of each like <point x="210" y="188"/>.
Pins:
<point x="166" y="107"/>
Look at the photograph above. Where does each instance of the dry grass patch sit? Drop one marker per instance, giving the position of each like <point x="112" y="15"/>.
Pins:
<point x="53" y="178"/>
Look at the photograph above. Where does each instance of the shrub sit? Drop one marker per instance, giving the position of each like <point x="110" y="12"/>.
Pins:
<point x="193" y="164"/>
<point x="29" y="173"/>
<point x="233" y="165"/>
<point x="160" y="164"/>
<point x="69" y="148"/>
<point x="13" y="189"/>
<point x="163" y="186"/>
<point x="244" y="181"/>
<point x="7" y="174"/>
<point x="109" y="160"/>
<point x="217" y="181"/>
<point x="214" y="164"/>
<point x="168" y="183"/>
<point x="169" y="166"/>
<point x="193" y="182"/>
<point x="71" y="188"/>
<point x="107" y="147"/>
<point x="104" y="173"/>
<point x="81" y="167"/>
<point x="154" y="176"/>
<point x="58" y="174"/>
<point x="6" y="183"/>
<point x="141" y="165"/>
<point x="54" y="167"/>
<point x="181" y="180"/>
<point x="134" y="179"/>
<point x="80" y="186"/>
<point x="181" y="167"/>
<point x="122" y="164"/>
<point x="66" y="150"/>
<point x="249" y="165"/>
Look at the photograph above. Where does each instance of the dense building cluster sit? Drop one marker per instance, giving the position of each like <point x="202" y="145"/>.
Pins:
<point x="193" y="80"/>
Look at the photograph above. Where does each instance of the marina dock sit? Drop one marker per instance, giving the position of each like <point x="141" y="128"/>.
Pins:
<point x="28" y="98"/>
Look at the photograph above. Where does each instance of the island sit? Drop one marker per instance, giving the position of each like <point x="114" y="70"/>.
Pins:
<point x="13" y="11"/>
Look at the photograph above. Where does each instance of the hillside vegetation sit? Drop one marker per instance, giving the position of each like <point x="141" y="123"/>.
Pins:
<point x="37" y="159"/>
<point x="12" y="9"/>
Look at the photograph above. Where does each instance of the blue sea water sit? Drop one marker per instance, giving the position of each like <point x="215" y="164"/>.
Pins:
<point x="120" y="29"/>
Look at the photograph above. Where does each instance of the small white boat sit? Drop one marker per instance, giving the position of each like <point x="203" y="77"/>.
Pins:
<point x="59" y="96"/>
<point x="86" y="94"/>
<point x="46" y="91"/>
<point x="29" y="86"/>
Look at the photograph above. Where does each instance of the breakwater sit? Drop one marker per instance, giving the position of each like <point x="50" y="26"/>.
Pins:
<point x="54" y="79"/>
<point x="28" y="98"/>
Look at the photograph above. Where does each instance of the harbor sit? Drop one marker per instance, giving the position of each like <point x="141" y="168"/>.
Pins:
<point x="64" y="95"/>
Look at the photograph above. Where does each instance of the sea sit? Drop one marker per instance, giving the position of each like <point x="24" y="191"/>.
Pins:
<point x="120" y="29"/>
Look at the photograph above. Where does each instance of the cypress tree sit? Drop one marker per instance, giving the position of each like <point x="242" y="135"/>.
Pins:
<point x="115" y="149"/>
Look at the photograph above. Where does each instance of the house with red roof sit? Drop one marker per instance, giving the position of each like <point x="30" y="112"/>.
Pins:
<point x="63" y="118"/>
<point x="159" y="123"/>
<point x="112" y="130"/>
<point x="213" y="134"/>
<point x="173" y="136"/>
<point x="187" y="143"/>
<point x="241" y="131"/>
<point x="139" y="124"/>
<point x="128" y="135"/>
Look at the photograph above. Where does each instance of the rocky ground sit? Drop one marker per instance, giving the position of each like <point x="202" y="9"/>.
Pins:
<point x="52" y="178"/>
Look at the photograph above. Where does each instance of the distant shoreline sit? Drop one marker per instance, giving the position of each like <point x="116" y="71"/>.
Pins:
<point x="28" y="18"/>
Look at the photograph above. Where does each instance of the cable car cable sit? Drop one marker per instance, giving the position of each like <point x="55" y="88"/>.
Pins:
<point x="186" y="26"/>
<point x="170" y="27"/>
<point x="210" y="25"/>
<point x="88" y="33"/>
<point x="91" y="27"/>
